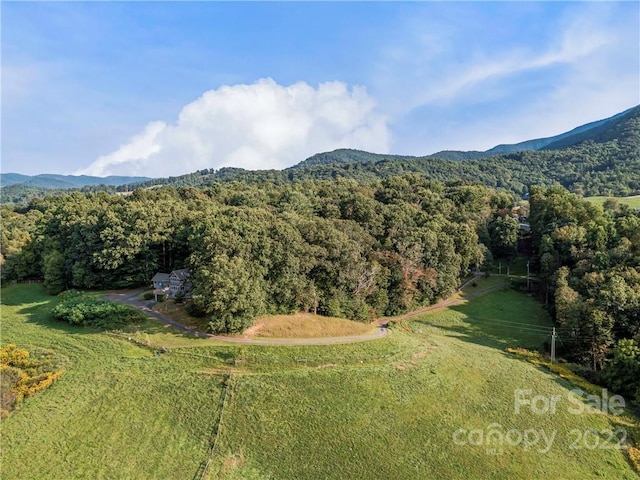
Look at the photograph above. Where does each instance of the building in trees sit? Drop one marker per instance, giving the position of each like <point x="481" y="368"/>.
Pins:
<point x="174" y="284"/>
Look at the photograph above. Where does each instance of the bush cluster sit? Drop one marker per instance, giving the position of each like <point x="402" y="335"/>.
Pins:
<point x="78" y="309"/>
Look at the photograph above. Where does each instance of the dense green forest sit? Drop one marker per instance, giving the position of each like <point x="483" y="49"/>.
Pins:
<point x="336" y="247"/>
<point x="346" y="249"/>
<point x="589" y="263"/>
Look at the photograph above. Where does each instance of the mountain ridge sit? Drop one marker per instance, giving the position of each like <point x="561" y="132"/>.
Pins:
<point x="55" y="181"/>
<point x="600" y="158"/>
<point x="563" y="140"/>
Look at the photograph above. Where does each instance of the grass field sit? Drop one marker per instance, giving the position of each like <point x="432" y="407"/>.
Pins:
<point x="383" y="409"/>
<point x="394" y="416"/>
<point x="633" y="201"/>
<point x="118" y="411"/>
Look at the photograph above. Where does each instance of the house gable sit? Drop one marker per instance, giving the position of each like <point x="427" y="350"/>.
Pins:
<point x="161" y="280"/>
<point x="172" y="284"/>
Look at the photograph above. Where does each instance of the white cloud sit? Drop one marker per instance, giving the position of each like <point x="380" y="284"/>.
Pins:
<point x="580" y="40"/>
<point x="259" y="126"/>
<point x="471" y="86"/>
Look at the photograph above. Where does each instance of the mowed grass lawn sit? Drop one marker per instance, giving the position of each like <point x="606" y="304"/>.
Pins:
<point x="118" y="411"/>
<point x="382" y="409"/>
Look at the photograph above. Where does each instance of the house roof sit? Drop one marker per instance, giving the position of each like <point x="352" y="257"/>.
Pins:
<point x="160" y="277"/>
<point x="182" y="273"/>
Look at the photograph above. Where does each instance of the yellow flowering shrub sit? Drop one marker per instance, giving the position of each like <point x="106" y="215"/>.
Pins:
<point x="22" y="376"/>
<point x="634" y="455"/>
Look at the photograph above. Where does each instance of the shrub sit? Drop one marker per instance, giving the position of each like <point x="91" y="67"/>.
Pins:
<point x="78" y="309"/>
<point x="229" y="324"/>
<point x="148" y="296"/>
<point x="195" y="310"/>
<point x="22" y="376"/>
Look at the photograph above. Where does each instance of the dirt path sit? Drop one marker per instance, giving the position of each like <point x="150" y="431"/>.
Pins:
<point x="447" y="302"/>
<point x="130" y="297"/>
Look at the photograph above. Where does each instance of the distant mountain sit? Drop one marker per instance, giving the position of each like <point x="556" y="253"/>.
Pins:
<point x="600" y="131"/>
<point x="623" y="128"/>
<point x="7" y="179"/>
<point x="52" y="181"/>
<point x="347" y="155"/>
<point x="600" y="158"/>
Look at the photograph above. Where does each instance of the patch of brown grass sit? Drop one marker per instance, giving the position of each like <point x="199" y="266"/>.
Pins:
<point x="232" y="462"/>
<point x="306" y="325"/>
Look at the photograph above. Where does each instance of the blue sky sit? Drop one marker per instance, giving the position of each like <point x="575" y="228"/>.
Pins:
<point x="167" y="88"/>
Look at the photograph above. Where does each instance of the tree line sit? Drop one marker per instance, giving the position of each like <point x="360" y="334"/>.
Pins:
<point x="589" y="262"/>
<point x="338" y="248"/>
<point x="343" y="248"/>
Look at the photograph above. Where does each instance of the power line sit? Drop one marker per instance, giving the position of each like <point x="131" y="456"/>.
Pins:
<point x="509" y="322"/>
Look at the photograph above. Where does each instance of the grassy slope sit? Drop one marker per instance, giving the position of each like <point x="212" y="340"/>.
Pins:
<point x="392" y="414"/>
<point x="381" y="409"/>
<point x="633" y="202"/>
<point x="118" y="411"/>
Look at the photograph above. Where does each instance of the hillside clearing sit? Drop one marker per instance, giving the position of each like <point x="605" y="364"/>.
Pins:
<point x="633" y="201"/>
<point x="387" y="408"/>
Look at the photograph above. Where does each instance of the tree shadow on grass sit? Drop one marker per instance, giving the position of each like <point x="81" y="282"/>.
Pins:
<point x="497" y="320"/>
<point x="153" y="326"/>
<point x="41" y="315"/>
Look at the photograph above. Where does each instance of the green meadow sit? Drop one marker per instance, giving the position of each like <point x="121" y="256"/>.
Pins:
<point x="633" y="202"/>
<point x="119" y="411"/>
<point x="408" y="405"/>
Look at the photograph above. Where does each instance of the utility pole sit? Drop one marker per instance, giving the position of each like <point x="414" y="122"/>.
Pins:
<point x="527" y="274"/>
<point x="553" y="345"/>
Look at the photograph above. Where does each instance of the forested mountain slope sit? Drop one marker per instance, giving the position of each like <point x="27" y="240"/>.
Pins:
<point x="606" y="162"/>
<point x="603" y="159"/>
<point x="53" y="181"/>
